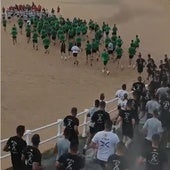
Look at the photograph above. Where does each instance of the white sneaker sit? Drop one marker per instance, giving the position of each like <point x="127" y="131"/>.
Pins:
<point x="103" y="71"/>
<point x="107" y="72"/>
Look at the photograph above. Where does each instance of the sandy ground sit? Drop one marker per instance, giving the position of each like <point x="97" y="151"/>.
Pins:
<point x="38" y="89"/>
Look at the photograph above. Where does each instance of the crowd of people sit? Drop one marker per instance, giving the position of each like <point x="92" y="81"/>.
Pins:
<point x="69" y="35"/>
<point x="151" y="102"/>
<point x="109" y="137"/>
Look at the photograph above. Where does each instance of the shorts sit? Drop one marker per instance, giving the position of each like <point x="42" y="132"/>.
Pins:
<point x="53" y="38"/>
<point x="63" y="51"/>
<point x="74" y="54"/>
<point x="69" y="49"/>
<point x="88" y="53"/>
<point x="28" y="35"/>
<point x="35" y="41"/>
<point x="9" y="17"/>
<point x="105" y="62"/>
<point x="101" y="163"/>
<point x="127" y="132"/>
<point x="131" y="56"/>
<point x="14" y="37"/>
<point x="46" y="46"/>
<point x="20" y="26"/>
<point x="4" y="25"/>
<point x="118" y="57"/>
<point x="94" y="51"/>
<point x="79" y="45"/>
<point x="110" y="51"/>
<point x="140" y="70"/>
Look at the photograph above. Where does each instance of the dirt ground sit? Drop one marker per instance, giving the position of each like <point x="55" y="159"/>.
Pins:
<point x="38" y="89"/>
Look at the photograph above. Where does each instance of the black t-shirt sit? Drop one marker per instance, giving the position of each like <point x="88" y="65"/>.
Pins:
<point x="71" y="162"/>
<point x="116" y="162"/>
<point x="140" y="63"/>
<point x="32" y="154"/>
<point x="127" y="116"/>
<point x="151" y="67"/>
<point x="70" y="122"/>
<point x="99" y="117"/>
<point x="155" y="158"/>
<point x="16" y="146"/>
<point x="138" y="87"/>
<point x="134" y="108"/>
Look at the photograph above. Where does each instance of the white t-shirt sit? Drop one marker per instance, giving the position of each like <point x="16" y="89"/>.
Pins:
<point x="110" y="46"/>
<point x="75" y="49"/>
<point x="123" y="104"/>
<point x="106" y="142"/>
<point x="120" y="94"/>
<point x="151" y="105"/>
<point x="153" y="126"/>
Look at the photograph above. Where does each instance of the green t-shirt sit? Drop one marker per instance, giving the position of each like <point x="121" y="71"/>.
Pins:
<point x="35" y="36"/>
<point x="78" y="40"/>
<point x="114" y="30"/>
<point x="28" y="29"/>
<point x="46" y="41"/>
<point x="119" y="51"/>
<point x="62" y="37"/>
<point x="14" y="33"/>
<point x="137" y="41"/>
<point x="132" y="51"/>
<point x="119" y="41"/>
<point x="88" y="47"/>
<point x="20" y="22"/>
<point x="105" y="56"/>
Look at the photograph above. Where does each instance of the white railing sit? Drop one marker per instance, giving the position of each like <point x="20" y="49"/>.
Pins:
<point x="59" y="124"/>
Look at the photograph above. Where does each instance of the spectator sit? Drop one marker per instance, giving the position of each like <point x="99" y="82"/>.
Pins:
<point x="105" y="141"/>
<point x="31" y="155"/>
<point x="16" y="145"/>
<point x="71" y="123"/>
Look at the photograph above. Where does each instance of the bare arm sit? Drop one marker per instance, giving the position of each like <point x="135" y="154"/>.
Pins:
<point x="6" y="148"/>
<point x="55" y="150"/>
<point x="36" y="166"/>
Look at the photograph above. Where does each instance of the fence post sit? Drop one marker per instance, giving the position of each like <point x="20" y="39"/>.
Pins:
<point x="85" y="123"/>
<point x="59" y="127"/>
<point x="27" y="136"/>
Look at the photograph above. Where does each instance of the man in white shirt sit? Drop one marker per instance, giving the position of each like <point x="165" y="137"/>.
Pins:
<point x="152" y="126"/>
<point x="75" y="50"/>
<point x="105" y="141"/>
<point x="120" y="94"/>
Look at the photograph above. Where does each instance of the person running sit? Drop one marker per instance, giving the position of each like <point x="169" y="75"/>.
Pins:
<point x="31" y="154"/>
<point x="140" y="64"/>
<point x="20" y="24"/>
<point x="118" y="161"/>
<point x="132" y="52"/>
<point x="88" y="53"/>
<point x="35" y="40"/>
<point x="152" y="126"/>
<point x="63" y="50"/>
<point x="16" y="145"/>
<point x="71" y="160"/>
<point x="28" y="32"/>
<point x="46" y="43"/>
<point x="119" y="52"/>
<point x="14" y="34"/>
<point x="155" y="158"/>
<point x="63" y="145"/>
<point x="110" y="49"/>
<point x="71" y="123"/>
<point x="75" y="50"/>
<point x="127" y="120"/>
<point x="151" y="68"/>
<point x="4" y="22"/>
<point x="137" y="41"/>
<point x="105" y="59"/>
<point x="105" y="141"/>
<point x="99" y="117"/>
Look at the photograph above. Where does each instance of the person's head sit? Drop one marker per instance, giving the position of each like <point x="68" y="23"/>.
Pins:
<point x="149" y="56"/>
<point x="137" y="36"/>
<point x="88" y="41"/>
<point x="74" y="111"/>
<point x="20" y="130"/>
<point x="102" y="105"/>
<point x="156" y="139"/>
<point x="35" y="139"/>
<point x="108" y="125"/>
<point x="155" y="113"/>
<point x="74" y="147"/>
<point x="140" y="55"/>
<point x="140" y="79"/>
<point x="124" y="86"/>
<point x="97" y="103"/>
<point x="121" y="148"/>
<point x="102" y="96"/>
